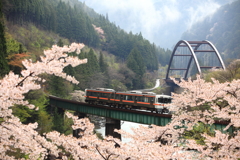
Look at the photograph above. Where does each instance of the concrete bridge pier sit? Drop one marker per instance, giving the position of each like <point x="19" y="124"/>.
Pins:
<point x="80" y="115"/>
<point x="112" y="124"/>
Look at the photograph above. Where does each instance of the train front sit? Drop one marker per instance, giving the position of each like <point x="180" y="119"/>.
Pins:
<point x="161" y="103"/>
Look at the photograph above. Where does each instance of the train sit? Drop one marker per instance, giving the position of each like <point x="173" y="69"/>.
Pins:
<point x="129" y="100"/>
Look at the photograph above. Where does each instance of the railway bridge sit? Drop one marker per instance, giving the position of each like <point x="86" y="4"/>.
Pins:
<point x="115" y="115"/>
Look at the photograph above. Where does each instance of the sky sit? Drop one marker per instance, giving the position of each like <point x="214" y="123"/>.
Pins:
<point x="160" y="21"/>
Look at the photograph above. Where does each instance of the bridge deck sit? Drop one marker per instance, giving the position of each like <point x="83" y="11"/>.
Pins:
<point x="123" y="114"/>
<point x="110" y="112"/>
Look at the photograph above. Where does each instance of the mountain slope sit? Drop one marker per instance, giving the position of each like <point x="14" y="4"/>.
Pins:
<point x="74" y="20"/>
<point x="35" y="25"/>
<point x="222" y="29"/>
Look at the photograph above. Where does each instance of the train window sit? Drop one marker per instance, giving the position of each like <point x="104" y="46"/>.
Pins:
<point x="136" y="98"/>
<point x="140" y="99"/>
<point x="117" y="96"/>
<point x="169" y="100"/>
<point x="104" y="95"/>
<point x="145" y="99"/>
<point x="130" y="98"/>
<point x="150" y="99"/>
<point x="164" y="100"/>
<point x="160" y="100"/>
<point x="92" y="94"/>
<point x="112" y="95"/>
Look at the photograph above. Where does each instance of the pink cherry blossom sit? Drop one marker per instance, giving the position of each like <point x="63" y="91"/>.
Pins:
<point x="153" y="143"/>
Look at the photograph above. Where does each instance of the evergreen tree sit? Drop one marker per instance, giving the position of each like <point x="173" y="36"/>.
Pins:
<point x="20" y="48"/>
<point x="136" y="64"/>
<point x="104" y="69"/>
<point x="60" y="43"/>
<point x="58" y="120"/>
<point x="4" y="68"/>
<point x="103" y="65"/>
<point x="56" y="86"/>
<point x="82" y="73"/>
<point x="92" y="62"/>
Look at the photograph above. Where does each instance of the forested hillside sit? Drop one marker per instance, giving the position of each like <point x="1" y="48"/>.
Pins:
<point x="76" y="25"/>
<point x="222" y="29"/>
<point x="35" y="25"/>
<point x="4" y="68"/>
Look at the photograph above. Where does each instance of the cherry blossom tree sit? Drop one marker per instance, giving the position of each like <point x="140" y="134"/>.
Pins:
<point x="200" y="102"/>
<point x="207" y="102"/>
<point x="15" y="135"/>
<point x="100" y="31"/>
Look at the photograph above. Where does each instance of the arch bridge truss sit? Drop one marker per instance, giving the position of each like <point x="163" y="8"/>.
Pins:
<point x="203" y="54"/>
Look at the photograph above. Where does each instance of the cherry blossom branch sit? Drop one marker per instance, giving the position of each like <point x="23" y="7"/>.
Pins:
<point x="100" y="153"/>
<point x="21" y="82"/>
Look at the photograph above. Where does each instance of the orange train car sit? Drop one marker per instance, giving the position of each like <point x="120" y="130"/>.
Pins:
<point x="131" y="99"/>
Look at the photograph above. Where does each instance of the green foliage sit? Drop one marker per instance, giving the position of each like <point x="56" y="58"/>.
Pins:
<point x="26" y="115"/>
<point x="127" y="74"/>
<point x="45" y="123"/>
<point x="163" y="55"/>
<point x="79" y="26"/>
<point x="4" y="68"/>
<point x="102" y="64"/>
<point x="232" y="72"/>
<point x="117" y="85"/>
<point x="90" y="74"/>
<point x="136" y="64"/>
<point x="13" y="46"/>
<point x="23" y="113"/>
<point x="32" y="39"/>
<point x="121" y="44"/>
<point x="40" y="100"/>
<point x="104" y="69"/>
<point x="17" y="154"/>
<point x="60" y="43"/>
<point x="92" y="65"/>
<point x="197" y="131"/>
<point x="35" y="11"/>
<point x="61" y="123"/>
<point x="58" y="120"/>
<point x="59" y="87"/>
<point x="37" y="97"/>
